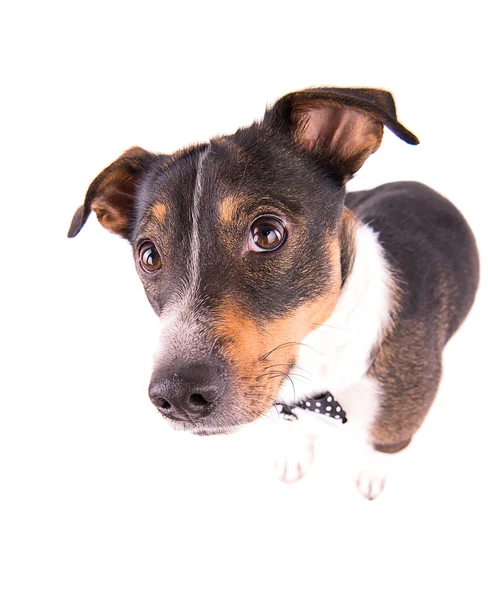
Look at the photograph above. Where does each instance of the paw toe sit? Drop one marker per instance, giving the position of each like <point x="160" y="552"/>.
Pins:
<point x="291" y="469"/>
<point x="370" y="485"/>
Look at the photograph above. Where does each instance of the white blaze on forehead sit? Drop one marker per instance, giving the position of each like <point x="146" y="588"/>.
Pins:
<point x="194" y="258"/>
<point x="180" y="333"/>
<point x="180" y="323"/>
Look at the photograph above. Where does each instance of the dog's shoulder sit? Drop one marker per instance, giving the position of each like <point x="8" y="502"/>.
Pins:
<point x="429" y="245"/>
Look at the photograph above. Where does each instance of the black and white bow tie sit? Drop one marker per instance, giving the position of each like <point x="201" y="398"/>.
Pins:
<point x="323" y="404"/>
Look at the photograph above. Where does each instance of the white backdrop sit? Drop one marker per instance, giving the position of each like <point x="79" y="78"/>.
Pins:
<point x="99" y="498"/>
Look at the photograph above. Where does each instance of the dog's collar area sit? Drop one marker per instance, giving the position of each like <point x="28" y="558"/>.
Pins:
<point x="323" y="404"/>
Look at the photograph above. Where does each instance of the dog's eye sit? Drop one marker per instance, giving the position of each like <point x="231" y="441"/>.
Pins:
<point x="149" y="257"/>
<point x="267" y="233"/>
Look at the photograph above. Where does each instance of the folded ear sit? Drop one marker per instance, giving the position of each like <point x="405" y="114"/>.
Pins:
<point x="112" y="194"/>
<point x="342" y="126"/>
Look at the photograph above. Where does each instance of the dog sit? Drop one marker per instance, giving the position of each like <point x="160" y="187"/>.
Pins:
<point x="277" y="291"/>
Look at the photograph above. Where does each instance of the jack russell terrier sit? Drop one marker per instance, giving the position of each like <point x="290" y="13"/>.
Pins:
<point x="278" y="291"/>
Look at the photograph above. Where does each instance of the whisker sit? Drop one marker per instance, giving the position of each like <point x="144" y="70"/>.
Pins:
<point x="265" y="356"/>
<point x="274" y="374"/>
<point x="270" y="373"/>
<point x="292" y="367"/>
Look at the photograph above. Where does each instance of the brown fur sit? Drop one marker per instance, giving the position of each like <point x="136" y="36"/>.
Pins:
<point x="347" y="230"/>
<point x="112" y="216"/>
<point x="111" y="195"/>
<point x="261" y="354"/>
<point x="408" y="385"/>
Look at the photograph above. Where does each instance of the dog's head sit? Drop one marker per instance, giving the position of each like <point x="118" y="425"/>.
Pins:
<point x="238" y="245"/>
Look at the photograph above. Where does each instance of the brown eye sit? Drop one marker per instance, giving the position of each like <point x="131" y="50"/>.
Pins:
<point x="149" y="257"/>
<point x="267" y="233"/>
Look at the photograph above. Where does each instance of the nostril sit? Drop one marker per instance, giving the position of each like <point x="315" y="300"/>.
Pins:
<point x="198" y="400"/>
<point x="163" y="404"/>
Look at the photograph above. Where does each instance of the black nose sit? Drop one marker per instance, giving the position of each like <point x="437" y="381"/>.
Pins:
<point x="189" y="391"/>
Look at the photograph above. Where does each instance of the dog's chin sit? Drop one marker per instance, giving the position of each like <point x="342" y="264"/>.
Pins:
<point x="222" y="431"/>
<point x="202" y="429"/>
<point x="215" y="424"/>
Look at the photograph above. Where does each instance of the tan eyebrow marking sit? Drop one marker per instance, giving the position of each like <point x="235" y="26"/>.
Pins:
<point x="158" y="211"/>
<point x="228" y="209"/>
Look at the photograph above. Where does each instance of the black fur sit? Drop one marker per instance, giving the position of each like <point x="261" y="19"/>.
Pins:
<point x="431" y="248"/>
<point x="268" y="173"/>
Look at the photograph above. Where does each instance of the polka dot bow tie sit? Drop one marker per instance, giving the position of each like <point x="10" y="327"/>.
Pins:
<point x="323" y="404"/>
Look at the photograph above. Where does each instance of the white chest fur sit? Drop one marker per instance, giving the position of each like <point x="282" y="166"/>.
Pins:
<point x="336" y="356"/>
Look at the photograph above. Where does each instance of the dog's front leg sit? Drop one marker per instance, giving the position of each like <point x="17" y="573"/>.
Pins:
<point x="294" y="449"/>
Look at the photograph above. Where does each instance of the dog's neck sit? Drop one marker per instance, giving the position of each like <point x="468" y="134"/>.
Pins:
<point x="338" y="354"/>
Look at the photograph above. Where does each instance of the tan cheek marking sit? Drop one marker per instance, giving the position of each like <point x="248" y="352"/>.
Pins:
<point x="228" y="209"/>
<point x="158" y="211"/>
<point x="247" y="344"/>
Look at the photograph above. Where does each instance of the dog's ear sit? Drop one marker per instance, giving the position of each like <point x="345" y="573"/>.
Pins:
<point x="112" y="194"/>
<point x="343" y="126"/>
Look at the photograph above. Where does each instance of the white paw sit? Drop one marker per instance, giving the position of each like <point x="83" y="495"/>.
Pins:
<point x="370" y="484"/>
<point x="295" y="461"/>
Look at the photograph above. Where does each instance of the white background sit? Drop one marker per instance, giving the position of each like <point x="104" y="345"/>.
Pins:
<point x="99" y="499"/>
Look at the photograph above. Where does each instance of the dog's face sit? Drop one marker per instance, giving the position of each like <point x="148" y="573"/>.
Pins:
<point x="238" y="245"/>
